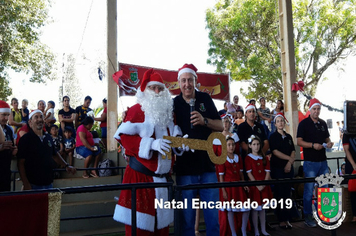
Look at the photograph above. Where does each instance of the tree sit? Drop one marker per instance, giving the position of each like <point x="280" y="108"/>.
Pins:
<point x="244" y="40"/>
<point x="70" y="82"/>
<point x="20" y="47"/>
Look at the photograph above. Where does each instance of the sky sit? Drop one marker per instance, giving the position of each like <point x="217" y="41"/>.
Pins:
<point x="155" y="33"/>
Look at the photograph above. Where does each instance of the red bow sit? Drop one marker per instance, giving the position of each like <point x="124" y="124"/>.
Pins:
<point x="298" y="86"/>
<point x="116" y="76"/>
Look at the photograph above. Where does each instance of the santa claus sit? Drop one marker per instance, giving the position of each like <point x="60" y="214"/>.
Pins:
<point x="141" y="134"/>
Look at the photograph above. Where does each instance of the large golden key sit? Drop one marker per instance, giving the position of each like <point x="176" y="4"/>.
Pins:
<point x="197" y="144"/>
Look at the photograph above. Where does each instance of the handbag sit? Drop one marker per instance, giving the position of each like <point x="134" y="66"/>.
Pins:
<point x="352" y="183"/>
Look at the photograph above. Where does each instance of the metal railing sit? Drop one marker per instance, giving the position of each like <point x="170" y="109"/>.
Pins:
<point x="119" y="168"/>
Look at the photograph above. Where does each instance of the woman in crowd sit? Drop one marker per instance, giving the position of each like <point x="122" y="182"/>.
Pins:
<point x="283" y="156"/>
<point x="41" y="105"/>
<point x="85" y="146"/>
<point x="66" y="117"/>
<point x="15" y="117"/>
<point x="279" y="109"/>
<point x="228" y="121"/>
<point x="264" y="115"/>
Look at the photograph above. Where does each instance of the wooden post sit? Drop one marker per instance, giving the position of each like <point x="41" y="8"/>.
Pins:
<point x="112" y="116"/>
<point x="288" y="66"/>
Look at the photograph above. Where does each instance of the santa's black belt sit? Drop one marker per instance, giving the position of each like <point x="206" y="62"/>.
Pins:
<point x="138" y="166"/>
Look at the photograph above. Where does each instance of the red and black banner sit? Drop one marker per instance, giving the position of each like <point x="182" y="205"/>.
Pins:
<point x="129" y="78"/>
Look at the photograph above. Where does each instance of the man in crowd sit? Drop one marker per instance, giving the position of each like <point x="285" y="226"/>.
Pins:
<point x="82" y="111"/>
<point x="7" y="147"/>
<point x="141" y="134"/>
<point x="37" y="156"/>
<point x="251" y="127"/>
<point x="195" y="168"/>
<point x="314" y="137"/>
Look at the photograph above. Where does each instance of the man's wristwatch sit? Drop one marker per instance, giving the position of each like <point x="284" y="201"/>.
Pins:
<point x="206" y="121"/>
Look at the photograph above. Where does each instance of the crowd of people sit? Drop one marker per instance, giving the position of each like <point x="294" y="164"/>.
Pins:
<point x="258" y="148"/>
<point x="41" y="143"/>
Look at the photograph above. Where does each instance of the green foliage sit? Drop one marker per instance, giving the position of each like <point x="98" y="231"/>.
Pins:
<point x="96" y="126"/>
<point x="20" y="47"/>
<point x="244" y="40"/>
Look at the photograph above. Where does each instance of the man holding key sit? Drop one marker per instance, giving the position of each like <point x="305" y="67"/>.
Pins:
<point x="198" y="117"/>
<point x="141" y="134"/>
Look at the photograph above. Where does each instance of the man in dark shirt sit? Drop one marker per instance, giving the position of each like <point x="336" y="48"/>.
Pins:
<point x="37" y="156"/>
<point x="313" y="136"/>
<point x="251" y="127"/>
<point x="82" y="111"/>
<point x="7" y="147"/>
<point x="194" y="168"/>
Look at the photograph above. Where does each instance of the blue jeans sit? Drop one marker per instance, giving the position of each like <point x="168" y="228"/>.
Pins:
<point x="211" y="216"/>
<point x="104" y="132"/>
<point x="312" y="169"/>
<point x="85" y="152"/>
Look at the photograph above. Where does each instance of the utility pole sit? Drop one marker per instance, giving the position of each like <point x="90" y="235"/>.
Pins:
<point x="288" y="66"/>
<point x="112" y="117"/>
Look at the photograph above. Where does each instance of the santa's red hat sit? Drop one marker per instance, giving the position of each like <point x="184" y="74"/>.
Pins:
<point x="4" y="107"/>
<point x="188" y="68"/>
<point x="34" y="112"/>
<point x="314" y="102"/>
<point x="151" y="77"/>
<point x="280" y="114"/>
<point x="249" y="107"/>
<point x="229" y="116"/>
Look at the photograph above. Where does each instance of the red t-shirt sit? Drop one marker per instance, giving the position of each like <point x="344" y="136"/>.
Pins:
<point x="103" y="123"/>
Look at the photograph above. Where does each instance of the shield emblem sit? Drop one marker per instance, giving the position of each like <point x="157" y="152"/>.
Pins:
<point x="133" y="78"/>
<point x="329" y="204"/>
<point x="202" y="107"/>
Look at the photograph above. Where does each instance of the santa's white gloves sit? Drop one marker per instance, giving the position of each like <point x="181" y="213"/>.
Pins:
<point x="183" y="148"/>
<point x="161" y="145"/>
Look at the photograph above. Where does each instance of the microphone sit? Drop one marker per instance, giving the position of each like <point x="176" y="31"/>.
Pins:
<point x="192" y="108"/>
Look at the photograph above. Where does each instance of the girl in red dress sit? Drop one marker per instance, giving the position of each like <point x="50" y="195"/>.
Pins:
<point x="231" y="171"/>
<point x="258" y="168"/>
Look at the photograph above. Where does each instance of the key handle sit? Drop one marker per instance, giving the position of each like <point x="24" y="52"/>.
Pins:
<point x="205" y="145"/>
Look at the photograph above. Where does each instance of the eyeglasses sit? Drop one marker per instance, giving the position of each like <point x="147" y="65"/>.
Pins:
<point x="156" y="87"/>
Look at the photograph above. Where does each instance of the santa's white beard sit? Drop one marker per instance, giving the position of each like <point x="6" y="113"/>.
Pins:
<point x="158" y="108"/>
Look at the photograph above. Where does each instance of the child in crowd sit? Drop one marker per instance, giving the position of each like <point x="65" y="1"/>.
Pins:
<point x="239" y="117"/>
<point x="25" y="111"/>
<point x="57" y="140"/>
<point x="97" y="140"/>
<point x="69" y="144"/>
<point x="258" y="168"/>
<point x="232" y="170"/>
<point x="49" y="113"/>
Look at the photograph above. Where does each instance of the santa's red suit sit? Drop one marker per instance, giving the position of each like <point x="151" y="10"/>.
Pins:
<point x="136" y="135"/>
